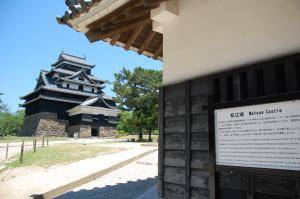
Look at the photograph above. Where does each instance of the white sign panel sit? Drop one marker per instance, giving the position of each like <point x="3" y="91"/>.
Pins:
<point x="260" y="136"/>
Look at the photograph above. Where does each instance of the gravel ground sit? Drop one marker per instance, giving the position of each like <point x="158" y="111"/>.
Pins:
<point x="136" y="180"/>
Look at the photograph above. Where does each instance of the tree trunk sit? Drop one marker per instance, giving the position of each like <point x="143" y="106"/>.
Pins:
<point x="150" y="133"/>
<point x="141" y="135"/>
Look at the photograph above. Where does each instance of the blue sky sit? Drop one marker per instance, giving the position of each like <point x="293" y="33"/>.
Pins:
<point x="31" y="39"/>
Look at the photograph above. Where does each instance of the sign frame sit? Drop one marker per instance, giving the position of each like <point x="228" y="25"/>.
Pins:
<point x="240" y="103"/>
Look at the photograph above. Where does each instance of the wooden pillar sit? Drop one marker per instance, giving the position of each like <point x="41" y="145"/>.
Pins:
<point x="290" y="76"/>
<point x="250" y="191"/>
<point x="161" y="142"/>
<point x="34" y="146"/>
<point x="187" y="140"/>
<point x="236" y="87"/>
<point x="6" y="153"/>
<point x="223" y="89"/>
<point x="269" y="79"/>
<point x="211" y="169"/>
<point x="22" y="152"/>
<point x="251" y="82"/>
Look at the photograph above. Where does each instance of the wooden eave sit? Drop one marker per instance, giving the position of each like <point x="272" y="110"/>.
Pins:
<point x="130" y="27"/>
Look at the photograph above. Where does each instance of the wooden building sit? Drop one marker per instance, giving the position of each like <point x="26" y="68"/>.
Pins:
<point x="217" y="55"/>
<point x="68" y="99"/>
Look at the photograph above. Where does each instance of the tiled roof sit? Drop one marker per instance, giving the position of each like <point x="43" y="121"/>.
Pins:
<point x="93" y="100"/>
<point x="101" y="86"/>
<point x="68" y="72"/>
<point x="74" y="59"/>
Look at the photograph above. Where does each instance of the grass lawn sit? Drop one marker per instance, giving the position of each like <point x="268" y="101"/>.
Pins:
<point x="60" y="154"/>
<point x="9" y="139"/>
<point x="136" y="137"/>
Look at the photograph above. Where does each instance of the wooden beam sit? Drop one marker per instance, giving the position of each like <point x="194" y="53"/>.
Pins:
<point x="100" y="34"/>
<point x="133" y="36"/>
<point x="114" y="39"/>
<point x="117" y="12"/>
<point x="158" y="51"/>
<point x="147" y="41"/>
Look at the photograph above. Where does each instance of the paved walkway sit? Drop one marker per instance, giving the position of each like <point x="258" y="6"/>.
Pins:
<point x="26" y="181"/>
<point x="136" y="180"/>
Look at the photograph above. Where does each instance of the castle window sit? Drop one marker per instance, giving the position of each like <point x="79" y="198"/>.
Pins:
<point x="80" y="87"/>
<point x="81" y="78"/>
<point x="68" y="85"/>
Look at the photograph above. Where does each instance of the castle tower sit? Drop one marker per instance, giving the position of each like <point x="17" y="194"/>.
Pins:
<point x="68" y="99"/>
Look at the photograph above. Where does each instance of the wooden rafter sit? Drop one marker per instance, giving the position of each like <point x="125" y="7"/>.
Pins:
<point x="158" y="51"/>
<point x="100" y="34"/>
<point x="133" y="36"/>
<point x="121" y="9"/>
<point x="115" y="39"/>
<point x="145" y="44"/>
<point x="127" y="26"/>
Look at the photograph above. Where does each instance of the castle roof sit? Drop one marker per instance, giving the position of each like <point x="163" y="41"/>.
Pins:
<point x="69" y="72"/>
<point x="80" y="61"/>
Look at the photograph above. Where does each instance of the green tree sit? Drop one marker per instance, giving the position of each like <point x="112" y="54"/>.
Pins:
<point x="3" y="107"/>
<point x="11" y="123"/>
<point x="126" y="123"/>
<point x="137" y="92"/>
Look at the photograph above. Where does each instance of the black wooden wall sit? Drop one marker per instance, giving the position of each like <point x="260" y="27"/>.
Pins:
<point x="184" y="132"/>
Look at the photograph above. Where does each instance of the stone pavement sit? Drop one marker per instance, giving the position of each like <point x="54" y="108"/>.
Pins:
<point x="152" y="193"/>
<point x="136" y="180"/>
<point x="26" y="181"/>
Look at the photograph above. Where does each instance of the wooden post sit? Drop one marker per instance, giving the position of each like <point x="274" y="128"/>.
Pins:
<point x="43" y="142"/>
<point x="34" y="146"/>
<point x="6" y="154"/>
<point x="22" y="152"/>
<point x="187" y="140"/>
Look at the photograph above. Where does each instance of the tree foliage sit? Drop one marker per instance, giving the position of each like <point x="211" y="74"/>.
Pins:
<point x="137" y="92"/>
<point x="3" y="107"/>
<point x="10" y="123"/>
<point x="126" y="124"/>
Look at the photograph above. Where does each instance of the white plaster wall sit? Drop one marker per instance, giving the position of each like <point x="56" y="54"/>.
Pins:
<point x="64" y="84"/>
<point x="87" y="88"/>
<point x="73" y="86"/>
<point x="215" y="35"/>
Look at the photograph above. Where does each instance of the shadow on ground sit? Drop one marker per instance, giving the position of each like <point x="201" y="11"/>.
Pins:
<point x="129" y="190"/>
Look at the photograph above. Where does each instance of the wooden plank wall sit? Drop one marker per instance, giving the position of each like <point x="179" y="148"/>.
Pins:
<point x="184" y="132"/>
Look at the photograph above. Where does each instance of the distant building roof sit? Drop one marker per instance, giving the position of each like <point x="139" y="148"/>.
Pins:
<point x="73" y="59"/>
<point x="68" y="72"/>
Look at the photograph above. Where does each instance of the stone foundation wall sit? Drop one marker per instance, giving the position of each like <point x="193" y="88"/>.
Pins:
<point x="48" y="127"/>
<point x="85" y="131"/>
<point x="106" y="131"/>
<point x="44" y="123"/>
<point x="72" y="130"/>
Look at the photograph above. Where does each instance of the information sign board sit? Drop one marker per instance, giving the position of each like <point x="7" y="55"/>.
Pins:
<point x="259" y="136"/>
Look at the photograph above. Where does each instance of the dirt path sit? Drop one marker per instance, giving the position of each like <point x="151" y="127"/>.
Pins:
<point x="26" y="181"/>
